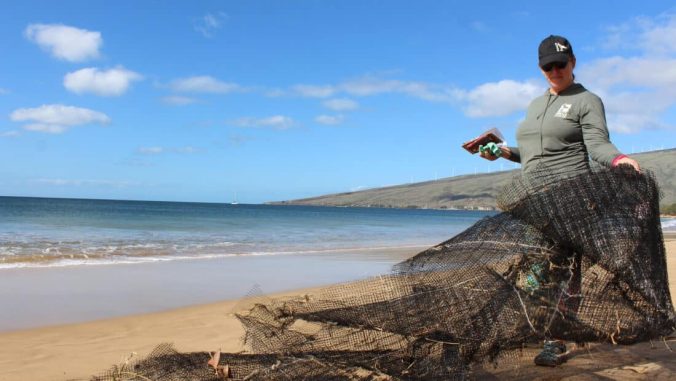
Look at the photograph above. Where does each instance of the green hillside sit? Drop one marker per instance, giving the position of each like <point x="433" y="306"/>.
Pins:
<point x="474" y="191"/>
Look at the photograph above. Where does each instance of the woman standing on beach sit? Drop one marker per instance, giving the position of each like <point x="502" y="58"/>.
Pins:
<point x="563" y="129"/>
<point x="565" y="126"/>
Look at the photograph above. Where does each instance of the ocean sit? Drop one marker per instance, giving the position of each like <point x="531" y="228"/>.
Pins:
<point x="51" y="232"/>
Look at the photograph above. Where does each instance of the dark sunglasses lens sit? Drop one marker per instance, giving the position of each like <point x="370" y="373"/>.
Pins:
<point x="558" y="65"/>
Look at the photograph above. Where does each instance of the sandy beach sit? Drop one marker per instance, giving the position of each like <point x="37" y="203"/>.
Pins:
<point x="81" y="349"/>
<point x="111" y="312"/>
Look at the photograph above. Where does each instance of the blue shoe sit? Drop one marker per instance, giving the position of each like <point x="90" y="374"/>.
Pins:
<point x="553" y="354"/>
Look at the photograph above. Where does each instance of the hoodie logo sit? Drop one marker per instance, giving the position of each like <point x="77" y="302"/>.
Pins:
<point x="560" y="47"/>
<point x="563" y="110"/>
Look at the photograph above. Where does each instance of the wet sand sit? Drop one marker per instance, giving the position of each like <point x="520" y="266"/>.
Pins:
<point x="38" y="297"/>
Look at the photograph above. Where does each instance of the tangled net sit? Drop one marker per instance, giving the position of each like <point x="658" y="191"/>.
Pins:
<point x="576" y="257"/>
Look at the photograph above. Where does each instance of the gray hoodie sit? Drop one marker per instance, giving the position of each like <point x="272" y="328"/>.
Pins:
<point x="561" y="132"/>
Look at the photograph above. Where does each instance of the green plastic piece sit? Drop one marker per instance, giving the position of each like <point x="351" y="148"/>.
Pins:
<point x="491" y="147"/>
<point x="533" y="278"/>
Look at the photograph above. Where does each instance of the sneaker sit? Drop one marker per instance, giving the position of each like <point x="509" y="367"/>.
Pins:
<point x="552" y="354"/>
<point x="556" y="346"/>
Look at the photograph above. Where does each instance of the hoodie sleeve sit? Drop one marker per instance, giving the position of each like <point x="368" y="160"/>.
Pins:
<point x="516" y="154"/>
<point x="595" y="131"/>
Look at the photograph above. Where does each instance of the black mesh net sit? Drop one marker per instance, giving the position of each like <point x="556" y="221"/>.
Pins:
<point x="575" y="257"/>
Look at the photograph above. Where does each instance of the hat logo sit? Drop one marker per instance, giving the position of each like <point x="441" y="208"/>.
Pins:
<point x="560" y="47"/>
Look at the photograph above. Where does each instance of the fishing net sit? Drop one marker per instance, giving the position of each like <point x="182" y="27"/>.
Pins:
<point x="575" y="257"/>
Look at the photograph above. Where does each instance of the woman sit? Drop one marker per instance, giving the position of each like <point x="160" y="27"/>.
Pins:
<point x="565" y="126"/>
<point x="563" y="129"/>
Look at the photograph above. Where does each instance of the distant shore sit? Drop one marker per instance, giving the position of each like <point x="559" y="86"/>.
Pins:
<point x="477" y="191"/>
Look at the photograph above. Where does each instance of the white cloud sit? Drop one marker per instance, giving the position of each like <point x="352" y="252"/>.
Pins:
<point x="209" y="23"/>
<point x="430" y="93"/>
<point x="178" y="100"/>
<point x="156" y="150"/>
<point x="652" y="36"/>
<point x="637" y="89"/>
<point x="313" y="91"/>
<point x="489" y="99"/>
<point x="151" y="150"/>
<point x="500" y="98"/>
<point x="236" y="139"/>
<point x="279" y="122"/>
<point x="634" y="71"/>
<point x="371" y="86"/>
<point x="633" y="111"/>
<point x="627" y="123"/>
<point x="203" y="84"/>
<point x="635" y="102"/>
<point x="78" y="183"/>
<point x="660" y="38"/>
<point x="3" y="91"/>
<point x="65" y="42"/>
<point x="330" y="119"/>
<point x="113" y="82"/>
<point x="275" y="93"/>
<point x="363" y="187"/>
<point x="57" y="118"/>
<point x="341" y="104"/>
<point x="187" y="150"/>
<point x="10" y="134"/>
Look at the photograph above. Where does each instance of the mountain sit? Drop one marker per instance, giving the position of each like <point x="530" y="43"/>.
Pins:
<point x="474" y="191"/>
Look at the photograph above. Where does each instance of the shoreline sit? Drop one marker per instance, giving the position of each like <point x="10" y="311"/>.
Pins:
<point x="67" y="351"/>
<point x="40" y="297"/>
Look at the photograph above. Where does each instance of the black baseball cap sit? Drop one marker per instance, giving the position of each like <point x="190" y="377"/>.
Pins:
<point x="554" y="49"/>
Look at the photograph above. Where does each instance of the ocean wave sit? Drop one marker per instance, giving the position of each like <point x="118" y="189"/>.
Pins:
<point x="82" y="259"/>
<point x="88" y="261"/>
<point x="38" y="253"/>
<point x="33" y="251"/>
<point x="669" y="224"/>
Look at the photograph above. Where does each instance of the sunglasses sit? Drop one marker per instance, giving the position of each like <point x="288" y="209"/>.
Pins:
<point x="551" y="65"/>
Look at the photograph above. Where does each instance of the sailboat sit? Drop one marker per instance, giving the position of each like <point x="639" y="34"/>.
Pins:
<point x="234" y="202"/>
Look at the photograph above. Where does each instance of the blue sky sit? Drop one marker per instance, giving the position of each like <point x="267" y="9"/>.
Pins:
<point x="272" y="100"/>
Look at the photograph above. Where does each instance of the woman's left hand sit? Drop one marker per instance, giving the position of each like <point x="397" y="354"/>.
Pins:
<point x="629" y="161"/>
